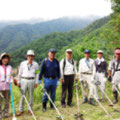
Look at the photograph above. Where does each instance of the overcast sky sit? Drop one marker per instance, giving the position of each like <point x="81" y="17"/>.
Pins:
<point x="50" y="9"/>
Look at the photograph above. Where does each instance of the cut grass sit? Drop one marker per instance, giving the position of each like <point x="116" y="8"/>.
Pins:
<point x="89" y="112"/>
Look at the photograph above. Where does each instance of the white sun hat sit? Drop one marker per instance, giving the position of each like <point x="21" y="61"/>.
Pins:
<point x="30" y="52"/>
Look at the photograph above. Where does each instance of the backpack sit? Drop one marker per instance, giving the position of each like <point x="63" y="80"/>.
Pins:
<point x="64" y="64"/>
<point x="46" y="59"/>
<point x="115" y="69"/>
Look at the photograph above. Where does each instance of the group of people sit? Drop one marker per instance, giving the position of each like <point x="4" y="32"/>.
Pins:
<point x="91" y="73"/>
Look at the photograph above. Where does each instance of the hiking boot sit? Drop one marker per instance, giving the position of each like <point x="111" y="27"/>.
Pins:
<point x="103" y="100"/>
<point x="70" y="104"/>
<point x="85" y="100"/>
<point x="63" y="106"/>
<point x="115" y="94"/>
<point x="92" y="102"/>
<point x="5" y="115"/>
<point x="0" y="116"/>
<point x="44" y="107"/>
<point x="19" y="113"/>
<point x="29" y="112"/>
<point x="51" y="106"/>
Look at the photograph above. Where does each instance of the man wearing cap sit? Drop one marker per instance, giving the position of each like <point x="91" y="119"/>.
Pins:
<point x="114" y="73"/>
<point x="50" y="69"/>
<point x="87" y="72"/>
<point x="68" y="73"/>
<point x="101" y="73"/>
<point x="27" y="79"/>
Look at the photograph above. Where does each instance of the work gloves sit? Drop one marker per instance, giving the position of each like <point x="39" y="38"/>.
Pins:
<point x="58" y="82"/>
<point x="110" y="79"/>
<point x="39" y="81"/>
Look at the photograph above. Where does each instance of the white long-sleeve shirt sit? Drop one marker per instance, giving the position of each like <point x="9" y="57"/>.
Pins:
<point x="28" y="71"/>
<point x="69" y="69"/>
<point x="83" y="67"/>
<point x="6" y="73"/>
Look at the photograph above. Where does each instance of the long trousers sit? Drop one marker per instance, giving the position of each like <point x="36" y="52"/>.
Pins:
<point x="88" y="81"/>
<point x="5" y="100"/>
<point x="26" y="86"/>
<point x="67" y="86"/>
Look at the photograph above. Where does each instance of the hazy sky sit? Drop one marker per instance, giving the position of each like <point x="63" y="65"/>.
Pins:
<point x="49" y="9"/>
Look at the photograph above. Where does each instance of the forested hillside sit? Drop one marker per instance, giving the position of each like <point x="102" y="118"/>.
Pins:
<point x="72" y="39"/>
<point x="15" y="36"/>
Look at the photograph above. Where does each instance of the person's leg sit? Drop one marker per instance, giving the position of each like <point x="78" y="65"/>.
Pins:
<point x="84" y="86"/>
<point x="64" y="90"/>
<point x="45" y="98"/>
<point x="23" y="89"/>
<point x="70" y="90"/>
<point x="1" y="104"/>
<point x="53" y="93"/>
<point x="91" y="89"/>
<point x="97" y="78"/>
<point x="115" y="93"/>
<point x="6" y="107"/>
<point x="102" y="86"/>
<point x="30" y="92"/>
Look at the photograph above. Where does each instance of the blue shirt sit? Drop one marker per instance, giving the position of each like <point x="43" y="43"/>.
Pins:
<point x="49" y="69"/>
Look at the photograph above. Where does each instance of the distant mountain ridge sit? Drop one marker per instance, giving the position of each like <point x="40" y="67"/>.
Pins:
<point x="14" y="37"/>
<point x="61" y="41"/>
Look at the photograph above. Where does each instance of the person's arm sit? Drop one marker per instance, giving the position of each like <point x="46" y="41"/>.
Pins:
<point x="59" y="73"/>
<point x="75" y="68"/>
<point x="106" y="73"/>
<point x="42" y="70"/>
<point x="36" y="75"/>
<point x="80" y="67"/>
<point x="11" y="76"/>
<point x="61" y="69"/>
<point x="20" y="74"/>
<point x="110" y="72"/>
<point x="94" y="69"/>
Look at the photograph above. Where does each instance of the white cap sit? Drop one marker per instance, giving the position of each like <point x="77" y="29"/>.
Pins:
<point x="30" y="52"/>
<point x="5" y="54"/>
<point x="68" y="50"/>
<point x="99" y="51"/>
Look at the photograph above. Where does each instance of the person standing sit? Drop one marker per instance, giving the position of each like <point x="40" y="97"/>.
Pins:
<point x="5" y="80"/>
<point x="114" y="74"/>
<point x="68" y="73"/>
<point x="87" y="73"/>
<point x="27" y="80"/>
<point x="50" y="69"/>
<point x="101" y="73"/>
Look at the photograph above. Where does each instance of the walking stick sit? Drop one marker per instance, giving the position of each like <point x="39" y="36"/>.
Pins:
<point x="59" y="117"/>
<point x="101" y="106"/>
<point x="23" y="95"/>
<point x="78" y="116"/>
<point x="12" y="100"/>
<point x="1" y="95"/>
<point x="111" y="103"/>
<point x="117" y="90"/>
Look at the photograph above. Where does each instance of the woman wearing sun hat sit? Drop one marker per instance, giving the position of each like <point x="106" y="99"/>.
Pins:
<point x="5" y="80"/>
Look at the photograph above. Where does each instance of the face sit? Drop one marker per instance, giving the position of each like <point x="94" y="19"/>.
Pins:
<point x="52" y="55"/>
<point x="5" y="61"/>
<point x="30" y="58"/>
<point x="100" y="55"/>
<point x="117" y="56"/>
<point x="68" y="55"/>
<point x="87" y="55"/>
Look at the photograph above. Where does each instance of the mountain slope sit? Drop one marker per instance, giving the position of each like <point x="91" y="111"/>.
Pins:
<point x="16" y="36"/>
<point x="56" y="40"/>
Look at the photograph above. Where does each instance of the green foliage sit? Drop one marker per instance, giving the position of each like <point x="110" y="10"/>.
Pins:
<point x="58" y="41"/>
<point x="15" y="36"/>
<point x="116" y="15"/>
<point x="116" y="5"/>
